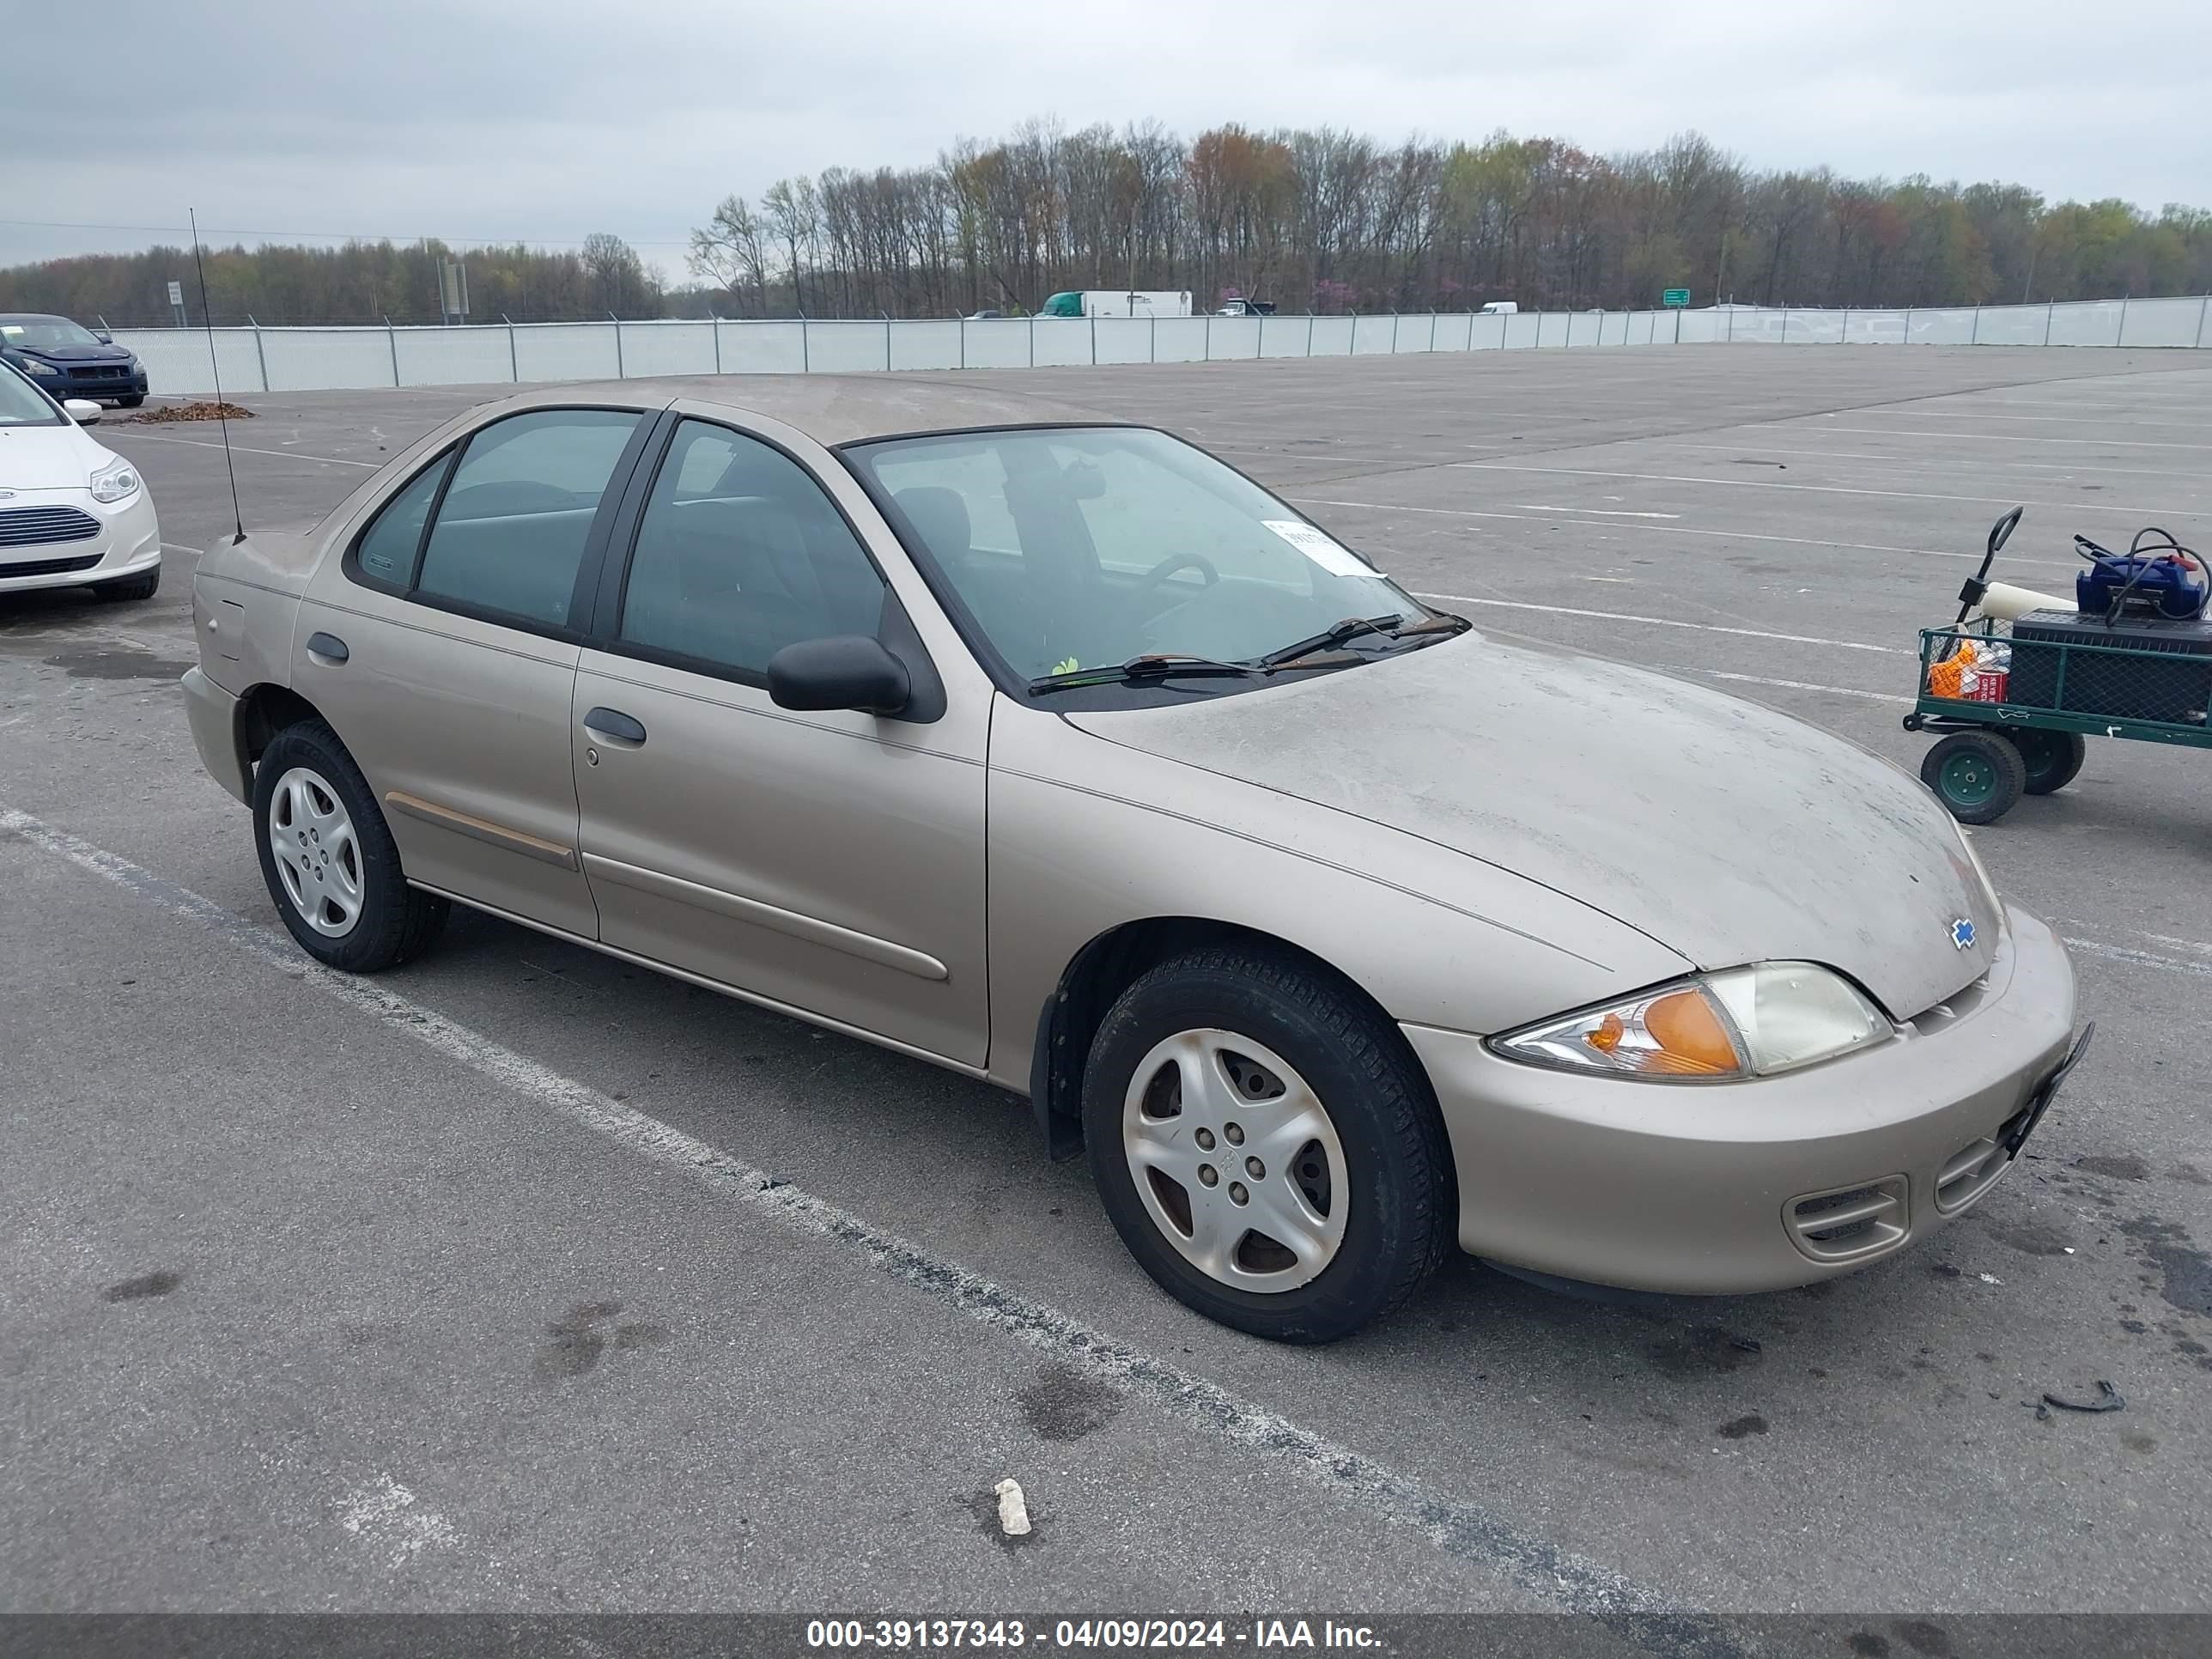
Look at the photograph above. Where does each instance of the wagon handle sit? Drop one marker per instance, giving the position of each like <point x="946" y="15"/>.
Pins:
<point x="1970" y="592"/>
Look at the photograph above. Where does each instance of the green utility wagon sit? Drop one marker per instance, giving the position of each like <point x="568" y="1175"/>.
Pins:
<point x="2016" y="702"/>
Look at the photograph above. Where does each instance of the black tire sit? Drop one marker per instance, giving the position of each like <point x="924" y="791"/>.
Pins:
<point x="143" y="585"/>
<point x="395" y="921"/>
<point x="2052" y="759"/>
<point x="1978" y="776"/>
<point x="1402" y="1197"/>
<point x="131" y="402"/>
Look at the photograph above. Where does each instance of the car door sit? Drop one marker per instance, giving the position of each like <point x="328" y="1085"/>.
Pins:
<point x="442" y="647"/>
<point x="828" y="862"/>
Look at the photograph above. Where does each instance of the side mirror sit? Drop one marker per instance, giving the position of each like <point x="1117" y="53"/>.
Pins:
<point x="103" y="337"/>
<point x="82" y="411"/>
<point x="845" y="671"/>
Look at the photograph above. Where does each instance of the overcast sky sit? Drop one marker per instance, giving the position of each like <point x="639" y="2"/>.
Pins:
<point x="544" y="120"/>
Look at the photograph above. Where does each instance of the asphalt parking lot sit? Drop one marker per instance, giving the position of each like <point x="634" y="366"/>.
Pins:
<point x="524" y="1279"/>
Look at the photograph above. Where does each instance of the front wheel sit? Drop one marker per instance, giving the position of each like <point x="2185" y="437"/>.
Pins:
<point x="133" y="401"/>
<point x="329" y="859"/>
<point x="1977" y="774"/>
<point x="2052" y="758"/>
<point x="1265" y="1145"/>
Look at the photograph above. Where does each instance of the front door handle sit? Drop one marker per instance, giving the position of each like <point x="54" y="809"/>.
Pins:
<point x="612" y="726"/>
<point x="328" y="647"/>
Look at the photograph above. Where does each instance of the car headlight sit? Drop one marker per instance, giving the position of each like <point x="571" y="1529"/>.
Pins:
<point x="47" y="371"/>
<point x="117" y="481"/>
<point x="1745" y="1022"/>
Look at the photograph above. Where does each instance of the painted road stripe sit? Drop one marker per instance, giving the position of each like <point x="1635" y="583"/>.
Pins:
<point x="2140" y="958"/>
<point x="2016" y="438"/>
<point x="1823" y="489"/>
<point x="245" y="449"/>
<point x="1677" y="530"/>
<point x="1669" y="622"/>
<point x="1463" y="1530"/>
<point x="1793" y="685"/>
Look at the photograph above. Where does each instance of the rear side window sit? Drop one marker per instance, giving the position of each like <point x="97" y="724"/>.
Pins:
<point x="387" y="551"/>
<point x="510" y="533"/>
<point x="739" y="553"/>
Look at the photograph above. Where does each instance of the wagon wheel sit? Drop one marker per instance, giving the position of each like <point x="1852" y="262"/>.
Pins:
<point x="1978" y="776"/>
<point x="2051" y="757"/>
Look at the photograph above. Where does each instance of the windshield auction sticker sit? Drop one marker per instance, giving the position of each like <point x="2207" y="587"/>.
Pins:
<point x="1322" y="548"/>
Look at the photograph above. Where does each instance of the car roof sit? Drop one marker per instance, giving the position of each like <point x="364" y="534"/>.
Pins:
<point x="832" y="408"/>
<point x="33" y="317"/>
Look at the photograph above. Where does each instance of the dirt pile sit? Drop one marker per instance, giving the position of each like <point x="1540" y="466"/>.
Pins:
<point x="198" y="410"/>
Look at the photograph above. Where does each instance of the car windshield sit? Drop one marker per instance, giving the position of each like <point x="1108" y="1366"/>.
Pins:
<point x="1081" y="548"/>
<point x="22" y="403"/>
<point x="38" y="331"/>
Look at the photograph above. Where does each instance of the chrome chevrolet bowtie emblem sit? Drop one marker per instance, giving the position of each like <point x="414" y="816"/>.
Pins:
<point x="1962" y="933"/>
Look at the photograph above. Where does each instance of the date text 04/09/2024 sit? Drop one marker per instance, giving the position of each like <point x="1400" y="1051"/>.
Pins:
<point x="832" y="1635"/>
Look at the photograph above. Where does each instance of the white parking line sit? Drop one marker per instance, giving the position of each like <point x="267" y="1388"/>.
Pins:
<point x="245" y="449"/>
<point x="1918" y="412"/>
<point x="2138" y="958"/>
<point x="1679" y="530"/>
<point x="1794" y="685"/>
<point x="1669" y="621"/>
<point x="2013" y="437"/>
<point x="1461" y="1530"/>
<point x="2066" y="467"/>
<point x="1823" y="489"/>
<point x="1593" y="511"/>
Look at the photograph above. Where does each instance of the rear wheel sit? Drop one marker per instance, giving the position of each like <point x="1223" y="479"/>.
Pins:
<point x="329" y="859"/>
<point x="1266" y="1146"/>
<point x="2052" y="758"/>
<point x="143" y="585"/>
<point x="1979" y="775"/>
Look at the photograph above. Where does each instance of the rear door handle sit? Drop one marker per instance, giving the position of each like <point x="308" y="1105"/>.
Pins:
<point x="328" y="647"/>
<point x="614" y="726"/>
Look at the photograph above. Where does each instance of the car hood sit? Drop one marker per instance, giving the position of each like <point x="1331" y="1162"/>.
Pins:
<point x="1727" y="832"/>
<point x="47" y="457"/>
<point x="73" y="354"/>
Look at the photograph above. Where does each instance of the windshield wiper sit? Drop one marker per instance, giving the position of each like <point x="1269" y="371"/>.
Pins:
<point x="1137" y="670"/>
<point x="1393" y="627"/>
<point x="1332" y="636"/>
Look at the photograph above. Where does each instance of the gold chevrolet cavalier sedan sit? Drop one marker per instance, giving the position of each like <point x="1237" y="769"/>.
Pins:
<point x="1054" y="752"/>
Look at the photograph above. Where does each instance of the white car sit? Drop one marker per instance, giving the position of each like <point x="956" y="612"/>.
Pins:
<point x="73" y="513"/>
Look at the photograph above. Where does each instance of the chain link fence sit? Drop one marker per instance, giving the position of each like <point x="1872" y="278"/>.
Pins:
<point x="328" y="359"/>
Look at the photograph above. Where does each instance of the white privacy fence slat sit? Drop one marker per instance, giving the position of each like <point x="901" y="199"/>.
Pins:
<point x="330" y="359"/>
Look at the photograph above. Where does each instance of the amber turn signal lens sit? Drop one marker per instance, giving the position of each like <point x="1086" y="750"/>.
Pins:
<point x="1691" y="1039"/>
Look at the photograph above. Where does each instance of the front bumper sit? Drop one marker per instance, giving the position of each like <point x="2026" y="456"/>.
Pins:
<point x="93" y="380"/>
<point x="1719" y="1189"/>
<point x="126" y="539"/>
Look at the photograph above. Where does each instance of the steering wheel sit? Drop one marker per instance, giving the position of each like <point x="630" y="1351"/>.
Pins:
<point x="1167" y="567"/>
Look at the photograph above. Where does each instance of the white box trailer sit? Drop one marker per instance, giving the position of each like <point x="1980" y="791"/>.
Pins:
<point x="1118" y="302"/>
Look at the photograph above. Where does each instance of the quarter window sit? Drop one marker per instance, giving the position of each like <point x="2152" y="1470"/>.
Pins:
<point x="386" y="551"/>
<point x="509" y="536"/>
<point x="739" y="553"/>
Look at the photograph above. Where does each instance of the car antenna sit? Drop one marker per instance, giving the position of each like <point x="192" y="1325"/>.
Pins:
<point x="221" y="415"/>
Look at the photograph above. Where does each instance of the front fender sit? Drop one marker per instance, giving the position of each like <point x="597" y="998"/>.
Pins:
<point x="1086" y="836"/>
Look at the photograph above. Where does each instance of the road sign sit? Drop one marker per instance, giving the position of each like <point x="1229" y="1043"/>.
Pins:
<point x="176" y="294"/>
<point x="1675" y="296"/>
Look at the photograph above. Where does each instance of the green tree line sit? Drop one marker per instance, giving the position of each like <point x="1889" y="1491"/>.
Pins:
<point x="1332" y="221"/>
<point x="1315" y="219"/>
<point x="354" y="282"/>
